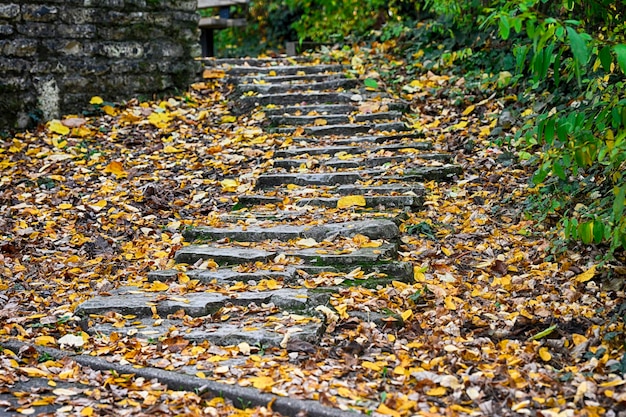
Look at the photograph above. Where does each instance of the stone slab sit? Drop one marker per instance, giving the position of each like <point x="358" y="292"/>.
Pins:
<point x="346" y="129"/>
<point x="225" y="275"/>
<point x="270" y="88"/>
<point x="362" y="256"/>
<point x="403" y="136"/>
<point x="398" y="187"/>
<point x="220" y="334"/>
<point x="126" y="301"/>
<point x="386" y="201"/>
<point x="285" y="78"/>
<point x="371" y="117"/>
<point x="308" y="120"/>
<point x="231" y="255"/>
<point x="440" y="173"/>
<point x="322" y="109"/>
<point x="351" y="150"/>
<point x="244" y="234"/>
<point x="247" y="103"/>
<point x="374" y="229"/>
<point x="331" y="178"/>
<point x="284" y="69"/>
<point x="254" y="200"/>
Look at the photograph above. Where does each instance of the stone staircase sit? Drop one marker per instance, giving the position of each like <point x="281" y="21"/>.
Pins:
<point x="323" y="216"/>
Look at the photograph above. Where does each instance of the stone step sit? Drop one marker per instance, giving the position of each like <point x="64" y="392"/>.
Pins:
<point x="140" y="303"/>
<point x="222" y="255"/>
<point x="400" y="137"/>
<point x="269" y="332"/>
<point x="331" y="178"/>
<point x="345" y="129"/>
<point x="316" y="256"/>
<point x="211" y="62"/>
<point x="226" y="275"/>
<point x="373" y="229"/>
<point x="303" y="78"/>
<point x="440" y="173"/>
<point x="333" y="119"/>
<point x="344" y="83"/>
<point x="322" y="109"/>
<point x="283" y="69"/>
<point x="247" y="103"/>
<point x="351" y="150"/>
<point x="362" y="162"/>
<point x="385" y="201"/>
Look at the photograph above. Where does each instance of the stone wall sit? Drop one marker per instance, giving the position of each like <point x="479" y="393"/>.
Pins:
<point x="56" y="54"/>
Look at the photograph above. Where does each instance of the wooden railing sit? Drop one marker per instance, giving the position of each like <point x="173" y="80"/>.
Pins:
<point x="220" y="21"/>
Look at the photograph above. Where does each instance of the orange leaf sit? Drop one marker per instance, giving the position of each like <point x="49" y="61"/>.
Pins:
<point x="116" y="168"/>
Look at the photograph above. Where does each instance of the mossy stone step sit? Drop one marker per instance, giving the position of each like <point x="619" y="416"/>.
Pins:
<point x="295" y="79"/>
<point x="386" y="201"/>
<point x="134" y="301"/>
<point x="283" y="69"/>
<point x="225" y="275"/>
<point x="344" y="83"/>
<point x="358" y="162"/>
<point x="351" y="149"/>
<point x="222" y="255"/>
<point x="331" y="178"/>
<point x="345" y="129"/>
<point x="247" y="103"/>
<point x="373" y="229"/>
<point x="322" y="109"/>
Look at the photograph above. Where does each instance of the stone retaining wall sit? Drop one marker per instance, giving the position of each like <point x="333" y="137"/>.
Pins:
<point x="56" y="54"/>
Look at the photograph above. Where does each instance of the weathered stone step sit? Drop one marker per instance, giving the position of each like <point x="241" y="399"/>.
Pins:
<point x="333" y="119"/>
<point x="303" y="78"/>
<point x="131" y="300"/>
<point x="317" y="256"/>
<point x="351" y="150"/>
<point x="331" y="178"/>
<point x="346" y="129"/>
<point x="226" y="275"/>
<point x="441" y="173"/>
<point x="363" y="162"/>
<point x="344" y="83"/>
<point x="322" y="109"/>
<point x="210" y="62"/>
<point x="284" y="69"/>
<point x="386" y="201"/>
<point x="222" y="255"/>
<point x="374" y="229"/>
<point x="270" y="332"/>
<point x="400" y="137"/>
<point x="247" y="103"/>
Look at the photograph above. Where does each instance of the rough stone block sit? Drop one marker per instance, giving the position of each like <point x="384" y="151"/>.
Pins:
<point x="39" y="13"/>
<point x="37" y="30"/>
<point x="9" y="11"/>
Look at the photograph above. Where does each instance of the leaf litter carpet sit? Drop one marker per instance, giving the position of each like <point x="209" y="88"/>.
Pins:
<point x="290" y="226"/>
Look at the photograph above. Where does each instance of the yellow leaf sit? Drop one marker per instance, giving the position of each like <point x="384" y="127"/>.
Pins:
<point x="614" y="383"/>
<point x="406" y="315"/>
<point x="447" y="251"/>
<point x="468" y="110"/>
<point x="307" y="243"/>
<point x="229" y="185"/>
<point x="320" y="122"/>
<point x="109" y="110"/>
<point x="87" y="411"/>
<point x="351" y="201"/>
<point x="201" y="375"/>
<point x="229" y="119"/>
<point x="384" y="410"/>
<point x="157" y="286"/>
<point x="96" y="100"/>
<point x="116" y="168"/>
<point x="544" y="353"/>
<point x="45" y="340"/>
<point x="213" y="74"/>
<point x="449" y="302"/>
<point x="578" y="339"/>
<point x="587" y="275"/>
<point x="436" y="392"/>
<point x="262" y="382"/>
<point x="34" y="372"/>
<point x="371" y="365"/>
<point x="172" y="149"/>
<point x="65" y="206"/>
<point x="98" y="206"/>
<point x="55" y="126"/>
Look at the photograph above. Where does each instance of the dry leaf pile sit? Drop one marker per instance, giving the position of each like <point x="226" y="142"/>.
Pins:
<point x="491" y="324"/>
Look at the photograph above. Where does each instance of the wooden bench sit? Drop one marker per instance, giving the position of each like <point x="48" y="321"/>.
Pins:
<point x="223" y="20"/>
